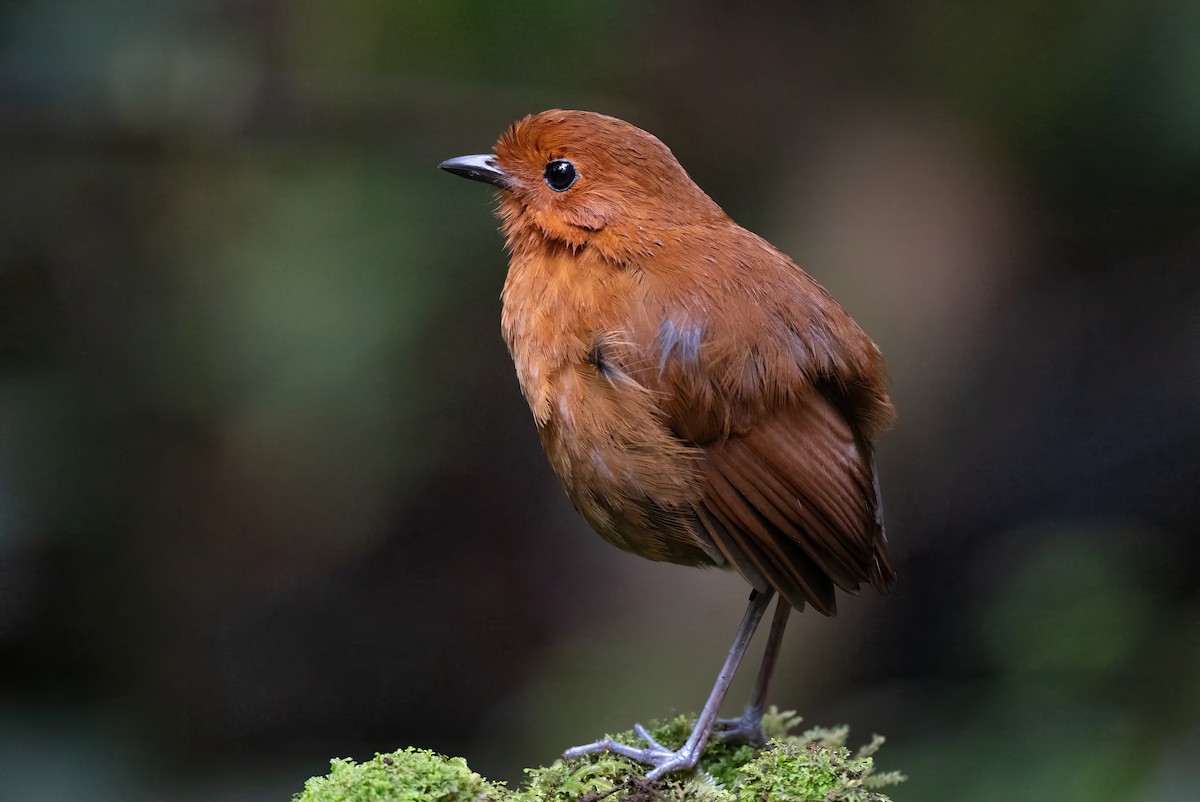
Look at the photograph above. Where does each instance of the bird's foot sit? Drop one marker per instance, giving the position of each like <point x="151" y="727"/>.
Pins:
<point x="746" y="728"/>
<point x="663" y="760"/>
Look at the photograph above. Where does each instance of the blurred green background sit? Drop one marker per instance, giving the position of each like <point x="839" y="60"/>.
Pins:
<point x="269" y="493"/>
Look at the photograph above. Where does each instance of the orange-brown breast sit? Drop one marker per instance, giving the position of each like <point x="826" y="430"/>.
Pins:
<point x="565" y="321"/>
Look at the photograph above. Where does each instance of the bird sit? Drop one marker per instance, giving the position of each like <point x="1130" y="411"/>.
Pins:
<point x="703" y="400"/>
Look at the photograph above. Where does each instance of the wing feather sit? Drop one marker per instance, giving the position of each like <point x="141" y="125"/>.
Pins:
<point x="791" y="574"/>
<point x="782" y="487"/>
<point x="781" y="394"/>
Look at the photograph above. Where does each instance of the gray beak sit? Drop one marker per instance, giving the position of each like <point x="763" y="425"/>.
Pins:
<point x="481" y="167"/>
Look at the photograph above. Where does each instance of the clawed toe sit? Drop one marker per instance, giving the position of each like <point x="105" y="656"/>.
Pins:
<point x="650" y="740"/>
<point x="743" y="729"/>
<point x="660" y="758"/>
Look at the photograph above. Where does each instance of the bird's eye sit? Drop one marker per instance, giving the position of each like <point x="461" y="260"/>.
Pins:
<point x="560" y="175"/>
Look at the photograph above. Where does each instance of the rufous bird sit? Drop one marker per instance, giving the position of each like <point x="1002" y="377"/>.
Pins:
<point x="703" y="400"/>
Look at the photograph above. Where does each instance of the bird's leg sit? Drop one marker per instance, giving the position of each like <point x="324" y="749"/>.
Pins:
<point x="748" y="726"/>
<point x="660" y="757"/>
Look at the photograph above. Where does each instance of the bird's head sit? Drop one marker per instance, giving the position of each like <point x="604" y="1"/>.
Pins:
<point x="585" y="178"/>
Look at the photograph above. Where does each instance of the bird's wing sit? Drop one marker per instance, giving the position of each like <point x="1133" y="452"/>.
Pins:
<point x="755" y="364"/>
<point x="793" y="501"/>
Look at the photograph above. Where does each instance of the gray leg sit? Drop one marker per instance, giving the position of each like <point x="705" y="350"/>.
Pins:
<point x="748" y="727"/>
<point x="655" y="754"/>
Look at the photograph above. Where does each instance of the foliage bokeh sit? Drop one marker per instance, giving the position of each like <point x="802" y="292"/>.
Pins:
<point x="269" y="494"/>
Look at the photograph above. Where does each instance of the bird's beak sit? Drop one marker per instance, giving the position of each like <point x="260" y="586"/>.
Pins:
<point x="481" y="167"/>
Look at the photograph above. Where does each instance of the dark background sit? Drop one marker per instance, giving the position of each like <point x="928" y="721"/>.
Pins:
<point x="269" y="493"/>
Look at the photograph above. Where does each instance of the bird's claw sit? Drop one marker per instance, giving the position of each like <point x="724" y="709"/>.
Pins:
<point x="663" y="760"/>
<point x="746" y="728"/>
<point x="650" y="740"/>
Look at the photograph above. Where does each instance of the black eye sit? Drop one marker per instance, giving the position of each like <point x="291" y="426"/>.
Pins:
<point x="560" y="175"/>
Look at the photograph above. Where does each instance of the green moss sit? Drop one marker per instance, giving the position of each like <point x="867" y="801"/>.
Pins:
<point x="814" y="765"/>
<point x="407" y="775"/>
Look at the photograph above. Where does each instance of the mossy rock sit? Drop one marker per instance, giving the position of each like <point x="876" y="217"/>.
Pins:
<point x="813" y="766"/>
